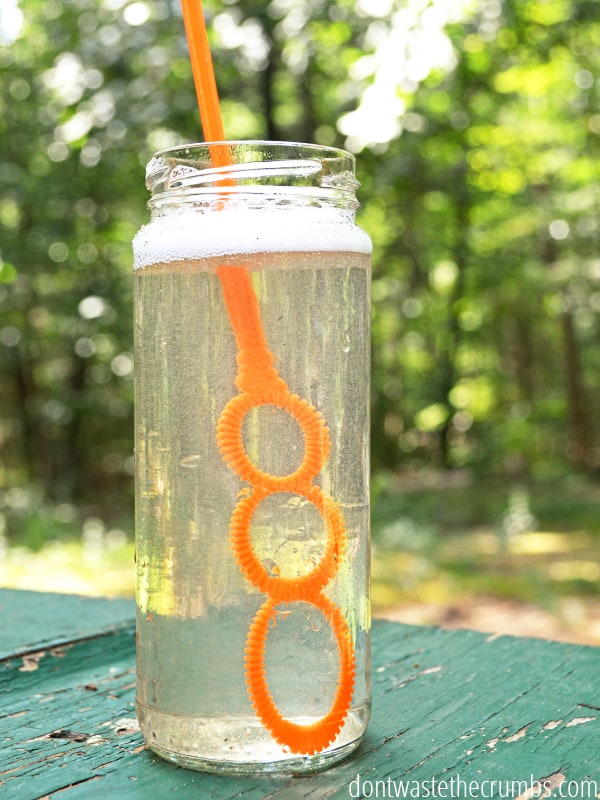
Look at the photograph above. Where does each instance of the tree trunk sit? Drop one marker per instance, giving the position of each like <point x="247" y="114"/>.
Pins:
<point x="460" y="253"/>
<point x="268" y="86"/>
<point x="580" y="441"/>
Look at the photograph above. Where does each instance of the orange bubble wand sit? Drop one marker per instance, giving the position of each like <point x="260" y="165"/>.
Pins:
<point x="260" y="385"/>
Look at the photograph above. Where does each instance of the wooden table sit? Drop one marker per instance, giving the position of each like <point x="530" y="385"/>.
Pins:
<point x="455" y="714"/>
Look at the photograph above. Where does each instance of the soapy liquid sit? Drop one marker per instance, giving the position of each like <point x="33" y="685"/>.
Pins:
<point x="194" y="604"/>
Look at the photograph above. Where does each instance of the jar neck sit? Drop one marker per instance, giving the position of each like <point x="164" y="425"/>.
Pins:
<point x="257" y="175"/>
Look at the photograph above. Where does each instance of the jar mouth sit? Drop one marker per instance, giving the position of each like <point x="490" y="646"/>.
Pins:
<point x="236" y="169"/>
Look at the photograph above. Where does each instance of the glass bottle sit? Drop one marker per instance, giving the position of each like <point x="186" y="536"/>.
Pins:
<point x="252" y="458"/>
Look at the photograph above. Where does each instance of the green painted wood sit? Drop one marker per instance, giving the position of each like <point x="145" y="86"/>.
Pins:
<point x="453" y="706"/>
<point x="33" y="620"/>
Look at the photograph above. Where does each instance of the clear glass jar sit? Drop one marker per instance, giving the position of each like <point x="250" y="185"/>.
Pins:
<point x="252" y="458"/>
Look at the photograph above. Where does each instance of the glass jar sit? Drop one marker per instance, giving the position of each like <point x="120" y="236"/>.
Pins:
<point x="252" y="458"/>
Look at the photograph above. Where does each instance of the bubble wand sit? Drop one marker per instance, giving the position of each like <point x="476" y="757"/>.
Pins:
<point x="260" y="385"/>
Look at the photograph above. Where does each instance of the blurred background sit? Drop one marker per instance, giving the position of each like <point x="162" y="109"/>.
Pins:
<point x="476" y="127"/>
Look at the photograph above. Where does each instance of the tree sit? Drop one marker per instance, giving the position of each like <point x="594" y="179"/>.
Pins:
<point x="477" y="136"/>
<point x="490" y="277"/>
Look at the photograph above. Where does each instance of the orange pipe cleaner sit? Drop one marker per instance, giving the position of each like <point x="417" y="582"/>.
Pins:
<point x="260" y="384"/>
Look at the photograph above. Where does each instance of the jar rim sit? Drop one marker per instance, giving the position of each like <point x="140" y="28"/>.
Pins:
<point x="339" y="152"/>
<point x="251" y="167"/>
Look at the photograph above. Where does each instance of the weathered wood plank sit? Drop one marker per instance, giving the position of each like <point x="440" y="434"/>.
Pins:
<point x="34" y="620"/>
<point x="448" y="706"/>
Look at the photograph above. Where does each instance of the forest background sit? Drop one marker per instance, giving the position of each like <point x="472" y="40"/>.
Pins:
<point x="476" y="127"/>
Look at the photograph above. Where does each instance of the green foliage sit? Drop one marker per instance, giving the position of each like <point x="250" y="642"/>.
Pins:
<point x="490" y="361"/>
<point x="480" y="189"/>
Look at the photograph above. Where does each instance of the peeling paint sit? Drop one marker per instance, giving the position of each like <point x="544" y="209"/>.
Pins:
<point x="543" y="787"/>
<point x="552" y="724"/>
<point x="579" y="721"/>
<point x="519" y="734"/>
<point x="432" y="670"/>
<point x="60" y="652"/>
<point x="31" y="661"/>
<point x="123" y="725"/>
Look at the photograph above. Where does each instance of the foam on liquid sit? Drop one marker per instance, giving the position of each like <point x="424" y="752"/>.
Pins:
<point x="206" y="233"/>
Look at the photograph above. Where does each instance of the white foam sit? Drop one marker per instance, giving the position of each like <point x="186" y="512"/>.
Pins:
<point x="184" y="235"/>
